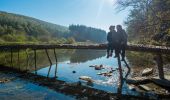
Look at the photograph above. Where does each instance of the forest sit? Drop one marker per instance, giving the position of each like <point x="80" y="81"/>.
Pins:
<point x="20" y="29"/>
<point x="83" y="33"/>
<point x="148" y="21"/>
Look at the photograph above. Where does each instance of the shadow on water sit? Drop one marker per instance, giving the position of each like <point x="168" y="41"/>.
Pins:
<point x="129" y="70"/>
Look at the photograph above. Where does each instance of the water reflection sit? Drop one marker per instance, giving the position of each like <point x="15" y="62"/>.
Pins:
<point x="27" y="57"/>
<point x="81" y="56"/>
<point x="71" y="64"/>
<point x="78" y="65"/>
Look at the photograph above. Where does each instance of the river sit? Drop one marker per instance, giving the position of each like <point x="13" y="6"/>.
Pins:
<point x="71" y="65"/>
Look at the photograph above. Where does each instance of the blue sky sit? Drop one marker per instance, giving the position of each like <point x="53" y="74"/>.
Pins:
<point x="94" y="13"/>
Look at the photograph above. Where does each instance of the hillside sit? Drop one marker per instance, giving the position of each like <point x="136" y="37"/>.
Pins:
<point x="23" y="29"/>
<point x="18" y="28"/>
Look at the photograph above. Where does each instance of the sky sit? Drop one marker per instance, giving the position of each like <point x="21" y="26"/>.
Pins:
<point x="94" y="13"/>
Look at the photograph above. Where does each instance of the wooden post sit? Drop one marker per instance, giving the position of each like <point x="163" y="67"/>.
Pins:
<point x="18" y="60"/>
<point x="27" y="60"/>
<point x="49" y="61"/>
<point x="120" y="78"/>
<point x="11" y="58"/>
<point x="35" y="58"/>
<point x="56" y="63"/>
<point x="159" y="61"/>
<point x="48" y="57"/>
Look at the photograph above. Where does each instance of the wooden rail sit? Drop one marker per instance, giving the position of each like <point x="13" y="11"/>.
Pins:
<point x="130" y="47"/>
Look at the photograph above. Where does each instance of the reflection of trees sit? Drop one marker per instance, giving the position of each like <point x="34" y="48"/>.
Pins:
<point x="42" y="59"/>
<point x="140" y="59"/>
<point x="85" y="55"/>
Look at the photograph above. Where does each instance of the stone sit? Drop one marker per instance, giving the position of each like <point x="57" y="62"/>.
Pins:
<point x="99" y="67"/>
<point x="147" y="71"/>
<point x="144" y="87"/>
<point x="108" y="74"/>
<point x="86" y="78"/>
<point x="74" y="72"/>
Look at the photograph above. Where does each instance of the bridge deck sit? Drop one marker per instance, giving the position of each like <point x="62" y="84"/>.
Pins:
<point x="130" y="47"/>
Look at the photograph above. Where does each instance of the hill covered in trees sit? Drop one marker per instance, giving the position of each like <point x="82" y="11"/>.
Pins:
<point x="148" y="20"/>
<point x="22" y="29"/>
<point x="82" y="33"/>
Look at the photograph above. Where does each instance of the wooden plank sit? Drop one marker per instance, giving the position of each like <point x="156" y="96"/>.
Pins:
<point x="120" y="84"/>
<point x="55" y="55"/>
<point x="131" y="47"/>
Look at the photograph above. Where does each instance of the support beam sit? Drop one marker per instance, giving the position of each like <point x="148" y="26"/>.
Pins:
<point x="27" y="60"/>
<point x="48" y="56"/>
<point x="56" y="63"/>
<point x="120" y="84"/>
<point x="35" y="59"/>
<point x="159" y="61"/>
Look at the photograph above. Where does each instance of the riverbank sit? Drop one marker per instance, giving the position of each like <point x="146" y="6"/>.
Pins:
<point x="150" y="83"/>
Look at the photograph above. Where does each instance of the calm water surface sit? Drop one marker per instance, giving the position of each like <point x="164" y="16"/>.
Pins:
<point x="24" y="90"/>
<point x="77" y="61"/>
<point x="81" y="66"/>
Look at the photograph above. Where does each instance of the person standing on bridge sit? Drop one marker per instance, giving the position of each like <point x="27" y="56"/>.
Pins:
<point x="110" y="36"/>
<point x="122" y="40"/>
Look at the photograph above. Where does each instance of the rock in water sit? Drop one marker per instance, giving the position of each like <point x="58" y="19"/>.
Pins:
<point x="86" y="78"/>
<point x="147" y="71"/>
<point x="99" y="67"/>
<point x="102" y="73"/>
<point x="144" y="87"/>
<point x="108" y="74"/>
<point x="73" y="72"/>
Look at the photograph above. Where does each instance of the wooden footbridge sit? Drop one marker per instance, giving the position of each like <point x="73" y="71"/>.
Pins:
<point x="158" y="50"/>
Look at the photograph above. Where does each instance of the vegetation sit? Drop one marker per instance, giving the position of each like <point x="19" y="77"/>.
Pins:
<point x="82" y="33"/>
<point x="16" y="28"/>
<point x="148" y="21"/>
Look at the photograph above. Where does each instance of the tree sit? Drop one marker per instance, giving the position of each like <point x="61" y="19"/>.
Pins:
<point x="147" y="18"/>
<point x="83" y="33"/>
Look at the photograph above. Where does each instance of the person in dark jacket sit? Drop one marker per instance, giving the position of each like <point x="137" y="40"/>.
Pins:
<point x="123" y="40"/>
<point x="110" y="36"/>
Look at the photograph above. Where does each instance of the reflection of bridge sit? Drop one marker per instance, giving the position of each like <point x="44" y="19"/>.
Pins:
<point x="158" y="50"/>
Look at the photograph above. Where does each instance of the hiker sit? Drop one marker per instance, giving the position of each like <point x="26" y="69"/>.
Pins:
<point x="110" y="41"/>
<point x="122" y="40"/>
